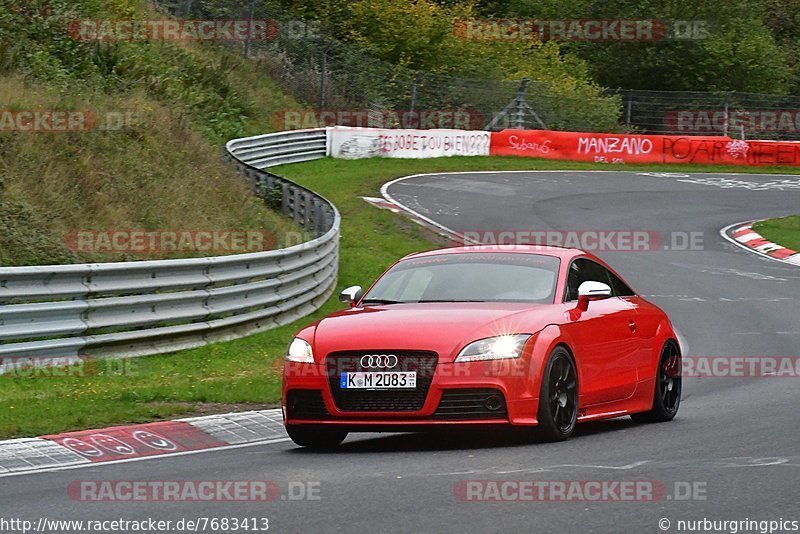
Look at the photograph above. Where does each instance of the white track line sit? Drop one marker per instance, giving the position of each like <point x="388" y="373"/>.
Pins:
<point x="142" y="458"/>
<point x="451" y="232"/>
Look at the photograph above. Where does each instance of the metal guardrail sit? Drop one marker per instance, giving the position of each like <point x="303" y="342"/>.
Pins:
<point x="146" y="307"/>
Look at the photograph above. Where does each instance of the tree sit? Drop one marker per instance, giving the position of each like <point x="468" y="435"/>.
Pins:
<point x="740" y="52"/>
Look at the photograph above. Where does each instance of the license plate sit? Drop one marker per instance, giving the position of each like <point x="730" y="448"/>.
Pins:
<point x="379" y="380"/>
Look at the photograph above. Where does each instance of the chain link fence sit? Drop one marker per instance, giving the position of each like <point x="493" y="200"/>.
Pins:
<point x="738" y="115"/>
<point x="347" y="86"/>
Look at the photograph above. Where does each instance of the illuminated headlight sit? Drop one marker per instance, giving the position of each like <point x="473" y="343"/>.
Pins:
<point x="494" y="348"/>
<point x="300" y="352"/>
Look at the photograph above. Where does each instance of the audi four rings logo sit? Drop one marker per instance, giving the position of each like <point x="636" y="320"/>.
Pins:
<point x="375" y="361"/>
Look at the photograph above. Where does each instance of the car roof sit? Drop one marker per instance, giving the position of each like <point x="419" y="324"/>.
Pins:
<point x="557" y="252"/>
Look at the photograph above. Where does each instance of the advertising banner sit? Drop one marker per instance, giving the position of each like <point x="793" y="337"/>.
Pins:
<point x="356" y="143"/>
<point x="629" y="148"/>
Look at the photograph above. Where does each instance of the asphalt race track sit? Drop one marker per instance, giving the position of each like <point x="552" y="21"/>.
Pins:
<point x="735" y="440"/>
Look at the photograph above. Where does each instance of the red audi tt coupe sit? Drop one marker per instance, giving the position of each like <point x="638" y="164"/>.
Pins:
<point x="526" y="336"/>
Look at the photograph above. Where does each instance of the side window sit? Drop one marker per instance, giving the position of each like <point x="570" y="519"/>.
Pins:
<point x="619" y="288"/>
<point x="582" y="271"/>
<point x="573" y="280"/>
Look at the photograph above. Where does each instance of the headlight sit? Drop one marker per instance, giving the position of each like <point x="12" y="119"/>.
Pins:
<point x="300" y="352"/>
<point x="494" y="348"/>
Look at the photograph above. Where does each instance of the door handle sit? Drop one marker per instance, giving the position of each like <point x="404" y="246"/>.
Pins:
<point x="632" y="325"/>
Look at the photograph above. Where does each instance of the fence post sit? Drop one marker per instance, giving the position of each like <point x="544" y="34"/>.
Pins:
<point x="414" y="86"/>
<point x="725" y="110"/>
<point x="628" y="114"/>
<point x="519" y="120"/>
<point x="323" y="73"/>
<point x="250" y="28"/>
<point x="519" y="106"/>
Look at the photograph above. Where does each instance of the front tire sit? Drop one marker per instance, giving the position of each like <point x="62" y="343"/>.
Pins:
<point x="315" y="437"/>
<point x="667" y="394"/>
<point x="558" y="397"/>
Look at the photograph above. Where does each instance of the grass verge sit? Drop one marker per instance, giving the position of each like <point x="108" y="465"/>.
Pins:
<point x="784" y="231"/>
<point x="246" y="372"/>
<point x="155" y="115"/>
<point x="157" y="176"/>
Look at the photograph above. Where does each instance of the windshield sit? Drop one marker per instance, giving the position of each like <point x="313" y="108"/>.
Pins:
<point x="470" y="277"/>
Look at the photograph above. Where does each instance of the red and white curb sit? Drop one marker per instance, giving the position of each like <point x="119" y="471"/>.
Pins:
<point x="383" y="204"/>
<point x="136" y="442"/>
<point x="743" y="235"/>
<point x="395" y="207"/>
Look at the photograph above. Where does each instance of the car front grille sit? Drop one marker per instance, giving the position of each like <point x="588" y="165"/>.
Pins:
<point x="462" y="404"/>
<point x="388" y="400"/>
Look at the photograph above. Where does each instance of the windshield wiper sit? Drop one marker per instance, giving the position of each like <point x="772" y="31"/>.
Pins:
<point x="449" y="300"/>
<point x="381" y="301"/>
<point x="388" y="301"/>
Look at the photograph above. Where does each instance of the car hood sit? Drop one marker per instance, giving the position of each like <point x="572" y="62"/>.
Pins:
<point x="441" y="327"/>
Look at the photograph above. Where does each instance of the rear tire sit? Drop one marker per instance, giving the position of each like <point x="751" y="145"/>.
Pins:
<point x="315" y="437"/>
<point x="667" y="394"/>
<point x="558" y="397"/>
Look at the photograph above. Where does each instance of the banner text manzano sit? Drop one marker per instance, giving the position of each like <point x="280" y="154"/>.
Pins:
<point x="624" y="148"/>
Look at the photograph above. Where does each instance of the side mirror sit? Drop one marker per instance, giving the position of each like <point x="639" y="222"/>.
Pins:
<point x="351" y="295"/>
<point x="590" y="290"/>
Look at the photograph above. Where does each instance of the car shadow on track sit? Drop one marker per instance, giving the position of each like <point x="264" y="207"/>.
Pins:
<point x="459" y="439"/>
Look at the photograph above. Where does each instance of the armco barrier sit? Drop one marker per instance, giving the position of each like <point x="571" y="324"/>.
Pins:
<point x="137" y="308"/>
<point x="145" y="307"/>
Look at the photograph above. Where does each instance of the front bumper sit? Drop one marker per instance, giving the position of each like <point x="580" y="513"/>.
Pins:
<point x="460" y="394"/>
